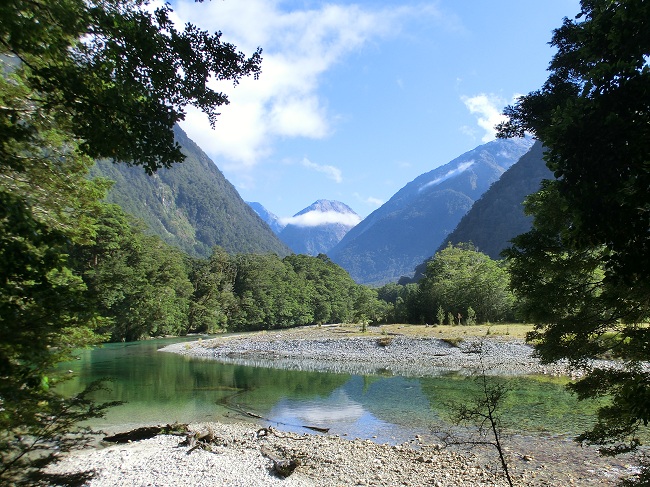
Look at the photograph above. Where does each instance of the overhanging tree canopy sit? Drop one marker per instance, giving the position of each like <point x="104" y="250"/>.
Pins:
<point x="593" y="116"/>
<point x="113" y="73"/>
<point x="583" y="271"/>
<point x="79" y="80"/>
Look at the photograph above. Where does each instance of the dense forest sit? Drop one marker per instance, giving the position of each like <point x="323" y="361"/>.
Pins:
<point x="142" y="287"/>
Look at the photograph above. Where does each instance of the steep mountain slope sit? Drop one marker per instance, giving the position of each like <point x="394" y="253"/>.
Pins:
<point x="319" y="227"/>
<point x="408" y="229"/>
<point x="191" y="205"/>
<point x="498" y="216"/>
<point x="269" y="218"/>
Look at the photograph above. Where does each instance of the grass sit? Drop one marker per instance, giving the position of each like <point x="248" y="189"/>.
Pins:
<point x="455" y="334"/>
<point x="504" y="330"/>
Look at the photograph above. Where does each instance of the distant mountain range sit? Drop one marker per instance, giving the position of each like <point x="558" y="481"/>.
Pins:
<point x="319" y="227"/>
<point x="498" y="215"/>
<point x="195" y="208"/>
<point x="191" y="205"/>
<point x="408" y="229"/>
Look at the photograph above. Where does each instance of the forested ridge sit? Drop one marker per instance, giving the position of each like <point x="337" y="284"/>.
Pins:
<point x="190" y="205"/>
<point x="411" y="226"/>
<point x="144" y="287"/>
<point x="498" y="215"/>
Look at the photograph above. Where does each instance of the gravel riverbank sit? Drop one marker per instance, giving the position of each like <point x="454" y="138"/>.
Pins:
<point x="240" y="458"/>
<point x="328" y="349"/>
<point x="237" y="459"/>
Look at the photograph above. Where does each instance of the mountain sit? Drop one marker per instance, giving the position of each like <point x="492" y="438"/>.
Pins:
<point x="192" y="205"/>
<point x="408" y="228"/>
<point x="498" y="216"/>
<point x="269" y="218"/>
<point x="319" y="227"/>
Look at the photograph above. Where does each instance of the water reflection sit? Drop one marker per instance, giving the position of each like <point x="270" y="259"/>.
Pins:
<point x="387" y="410"/>
<point x="164" y="387"/>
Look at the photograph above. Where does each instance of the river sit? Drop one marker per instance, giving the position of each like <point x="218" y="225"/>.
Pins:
<point x="160" y="388"/>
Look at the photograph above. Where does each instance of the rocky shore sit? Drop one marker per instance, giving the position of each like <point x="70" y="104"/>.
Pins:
<point x="242" y="456"/>
<point x="337" y="349"/>
<point x="242" y="453"/>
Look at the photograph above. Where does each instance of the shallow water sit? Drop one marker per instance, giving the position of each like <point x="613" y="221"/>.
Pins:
<point x="160" y="387"/>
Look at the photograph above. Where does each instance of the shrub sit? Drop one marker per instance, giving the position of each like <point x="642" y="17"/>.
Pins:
<point x="471" y="316"/>
<point x="384" y="341"/>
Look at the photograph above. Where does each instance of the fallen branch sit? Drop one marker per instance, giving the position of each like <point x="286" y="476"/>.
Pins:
<point x="147" y="432"/>
<point x="283" y="467"/>
<point x="245" y="412"/>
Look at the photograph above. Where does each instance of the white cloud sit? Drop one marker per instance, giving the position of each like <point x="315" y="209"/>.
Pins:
<point x="463" y="166"/>
<point x="374" y="201"/>
<point x="332" y="172"/>
<point x="299" y="47"/>
<point x="317" y="218"/>
<point x="369" y="200"/>
<point x="488" y="109"/>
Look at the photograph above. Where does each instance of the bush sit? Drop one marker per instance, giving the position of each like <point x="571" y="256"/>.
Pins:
<point x="384" y="341"/>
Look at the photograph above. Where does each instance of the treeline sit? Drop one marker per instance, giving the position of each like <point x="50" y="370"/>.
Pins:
<point x="144" y="287"/>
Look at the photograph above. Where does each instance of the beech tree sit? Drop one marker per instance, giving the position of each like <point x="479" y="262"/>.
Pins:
<point x="583" y="271"/>
<point x="459" y="277"/>
<point x="113" y="74"/>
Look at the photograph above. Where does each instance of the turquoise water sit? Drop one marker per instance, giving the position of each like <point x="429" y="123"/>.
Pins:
<point x="161" y="387"/>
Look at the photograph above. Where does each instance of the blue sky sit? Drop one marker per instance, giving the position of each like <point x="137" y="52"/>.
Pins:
<point x="356" y="99"/>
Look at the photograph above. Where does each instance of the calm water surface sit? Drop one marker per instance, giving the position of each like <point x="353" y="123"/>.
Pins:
<point x="161" y="387"/>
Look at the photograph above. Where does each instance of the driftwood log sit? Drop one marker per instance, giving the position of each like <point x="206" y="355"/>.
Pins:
<point x="283" y="467"/>
<point x="201" y="439"/>
<point x="147" y="432"/>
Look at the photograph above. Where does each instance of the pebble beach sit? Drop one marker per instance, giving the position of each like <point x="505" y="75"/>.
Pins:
<point x="325" y="349"/>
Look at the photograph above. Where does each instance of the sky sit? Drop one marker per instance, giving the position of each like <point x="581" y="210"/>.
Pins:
<point x="356" y="99"/>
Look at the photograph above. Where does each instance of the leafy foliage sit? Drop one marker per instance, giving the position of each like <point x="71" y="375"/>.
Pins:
<point x="81" y="80"/>
<point x="298" y="290"/>
<point x="592" y="116"/>
<point x="136" y="280"/>
<point x="582" y="271"/>
<point x="44" y="314"/>
<point x="459" y="278"/>
<point x="114" y="74"/>
<point x="405" y="301"/>
<point x="213" y="299"/>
